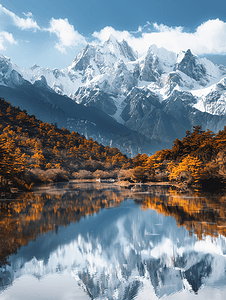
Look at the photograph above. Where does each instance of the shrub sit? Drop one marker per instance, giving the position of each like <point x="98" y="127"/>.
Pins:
<point x="83" y="174"/>
<point x="125" y="174"/>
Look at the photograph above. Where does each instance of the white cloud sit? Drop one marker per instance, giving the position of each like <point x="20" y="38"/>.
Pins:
<point x="104" y="34"/>
<point x="141" y="28"/>
<point x="28" y="15"/>
<point x="209" y="37"/>
<point x="22" y="23"/>
<point x="66" y="34"/>
<point x="6" y="37"/>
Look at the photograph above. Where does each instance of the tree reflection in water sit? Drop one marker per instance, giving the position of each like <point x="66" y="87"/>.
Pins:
<point x="174" y="243"/>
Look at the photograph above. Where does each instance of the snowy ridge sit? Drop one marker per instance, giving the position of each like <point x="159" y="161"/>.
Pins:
<point x="185" y="90"/>
<point x="114" y="67"/>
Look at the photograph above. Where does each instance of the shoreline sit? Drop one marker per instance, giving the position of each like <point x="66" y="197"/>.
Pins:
<point x="180" y="187"/>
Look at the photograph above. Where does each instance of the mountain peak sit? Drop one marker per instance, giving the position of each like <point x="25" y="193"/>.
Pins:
<point x="120" y="48"/>
<point x="188" y="64"/>
<point x="5" y="64"/>
<point x="82" y="60"/>
<point x="3" y="57"/>
<point x="188" y="53"/>
<point x="128" y="51"/>
<point x="112" y="39"/>
<point x="164" y="56"/>
<point x="35" y="66"/>
<point x="41" y="82"/>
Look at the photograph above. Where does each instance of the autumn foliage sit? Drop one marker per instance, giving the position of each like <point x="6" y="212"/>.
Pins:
<point x="34" y="151"/>
<point x="198" y="159"/>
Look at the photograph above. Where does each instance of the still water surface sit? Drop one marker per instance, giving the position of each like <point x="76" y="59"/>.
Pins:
<point x="100" y="241"/>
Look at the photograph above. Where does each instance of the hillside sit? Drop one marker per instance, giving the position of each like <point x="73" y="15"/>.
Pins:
<point x="34" y="151"/>
<point x="196" y="160"/>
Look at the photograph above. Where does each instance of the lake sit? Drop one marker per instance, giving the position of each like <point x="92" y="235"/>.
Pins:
<point x="100" y="241"/>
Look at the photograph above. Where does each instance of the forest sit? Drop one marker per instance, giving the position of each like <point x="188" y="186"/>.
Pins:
<point x="32" y="151"/>
<point x="197" y="160"/>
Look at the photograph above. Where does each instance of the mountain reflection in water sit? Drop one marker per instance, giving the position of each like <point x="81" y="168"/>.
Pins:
<point x="156" y="244"/>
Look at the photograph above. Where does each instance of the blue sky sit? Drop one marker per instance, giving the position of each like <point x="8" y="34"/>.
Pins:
<point x="51" y="33"/>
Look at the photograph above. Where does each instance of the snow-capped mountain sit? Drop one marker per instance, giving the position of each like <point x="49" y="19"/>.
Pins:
<point x="38" y="98"/>
<point x="160" y="95"/>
